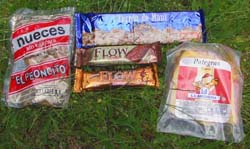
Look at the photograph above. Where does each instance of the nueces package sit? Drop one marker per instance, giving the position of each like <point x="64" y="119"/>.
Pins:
<point x="39" y="67"/>
<point x="203" y="92"/>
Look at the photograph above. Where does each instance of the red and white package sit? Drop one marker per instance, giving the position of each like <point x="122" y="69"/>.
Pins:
<point x="39" y="67"/>
<point x="203" y="92"/>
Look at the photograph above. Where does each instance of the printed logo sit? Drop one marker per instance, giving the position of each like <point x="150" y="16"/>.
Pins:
<point x="106" y="53"/>
<point x="204" y="90"/>
<point x="40" y="36"/>
<point x="204" y="86"/>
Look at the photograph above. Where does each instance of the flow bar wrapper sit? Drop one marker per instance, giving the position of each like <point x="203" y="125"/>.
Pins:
<point x="94" y="29"/>
<point x="127" y="54"/>
<point x="99" y="79"/>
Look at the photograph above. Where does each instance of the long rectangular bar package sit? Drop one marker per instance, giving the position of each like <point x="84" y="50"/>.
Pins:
<point x="94" y="29"/>
<point x="135" y="75"/>
<point x="113" y="55"/>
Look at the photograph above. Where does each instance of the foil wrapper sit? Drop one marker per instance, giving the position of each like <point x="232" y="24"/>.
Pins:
<point x="100" y="79"/>
<point x="94" y="29"/>
<point x="111" y="55"/>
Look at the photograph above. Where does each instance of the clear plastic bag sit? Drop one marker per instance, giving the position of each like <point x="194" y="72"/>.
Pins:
<point x="39" y="67"/>
<point x="203" y="92"/>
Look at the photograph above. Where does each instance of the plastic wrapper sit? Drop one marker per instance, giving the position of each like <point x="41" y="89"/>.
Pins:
<point x="111" y="55"/>
<point x="39" y="67"/>
<point x="94" y="29"/>
<point x="125" y="75"/>
<point x="203" y="92"/>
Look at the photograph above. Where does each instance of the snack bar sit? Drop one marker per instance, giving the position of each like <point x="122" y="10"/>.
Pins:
<point x="99" y="79"/>
<point x="127" y="54"/>
<point x="94" y="29"/>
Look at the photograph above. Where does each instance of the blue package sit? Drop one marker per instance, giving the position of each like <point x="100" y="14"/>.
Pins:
<point x="93" y="29"/>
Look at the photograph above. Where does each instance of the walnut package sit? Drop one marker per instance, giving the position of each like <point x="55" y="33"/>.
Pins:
<point x="39" y="68"/>
<point x="203" y="92"/>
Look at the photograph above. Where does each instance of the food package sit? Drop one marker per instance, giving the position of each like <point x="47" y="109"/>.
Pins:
<point x="95" y="29"/>
<point x="113" y="55"/>
<point x="39" y="67"/>
<point x="93" y="78"/>
<point x="203" y="92"/>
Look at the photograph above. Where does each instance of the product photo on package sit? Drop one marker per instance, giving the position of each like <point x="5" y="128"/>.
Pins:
<point x="39" y="67"/>
<point x="203" y="92"/>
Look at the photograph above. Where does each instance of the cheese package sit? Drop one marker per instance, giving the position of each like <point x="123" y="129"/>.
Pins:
<point x="203" y="92"/>
<point x="39" y="67"/>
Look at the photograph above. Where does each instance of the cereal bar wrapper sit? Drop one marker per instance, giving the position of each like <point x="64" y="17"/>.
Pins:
<point x="112" y="55"/>
<point x="203" y="92"/>
<point x="39" y="67"/>
<point x="94" y="29"/>
<point x="100" y="79"/>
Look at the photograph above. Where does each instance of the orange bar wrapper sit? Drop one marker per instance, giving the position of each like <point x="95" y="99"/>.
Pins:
<point x="141" y="76"/>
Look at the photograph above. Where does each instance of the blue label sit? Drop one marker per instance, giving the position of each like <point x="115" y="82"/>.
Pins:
<point x="88" y="23"/>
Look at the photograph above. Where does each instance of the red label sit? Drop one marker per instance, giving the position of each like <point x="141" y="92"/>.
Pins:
<point x="40" y="45"/>
<point x="196" y="83"/>
<point x="40" y="35"/>
<point x="38" y="74"/>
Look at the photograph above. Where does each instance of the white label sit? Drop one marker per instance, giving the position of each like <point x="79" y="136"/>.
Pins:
<point x="201" y="62"/>
<point x="40" y="34"/>
<point x="204" y="111"/>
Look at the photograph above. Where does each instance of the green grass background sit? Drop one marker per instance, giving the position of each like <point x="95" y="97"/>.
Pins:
<point x="120" y="118"/>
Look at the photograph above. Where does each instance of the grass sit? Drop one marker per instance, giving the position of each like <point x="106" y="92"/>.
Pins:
<point x="125" y="117"/>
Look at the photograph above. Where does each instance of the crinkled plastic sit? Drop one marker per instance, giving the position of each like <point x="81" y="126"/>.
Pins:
<point x="39" y="67"/>
<point x="203" y="92"/>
